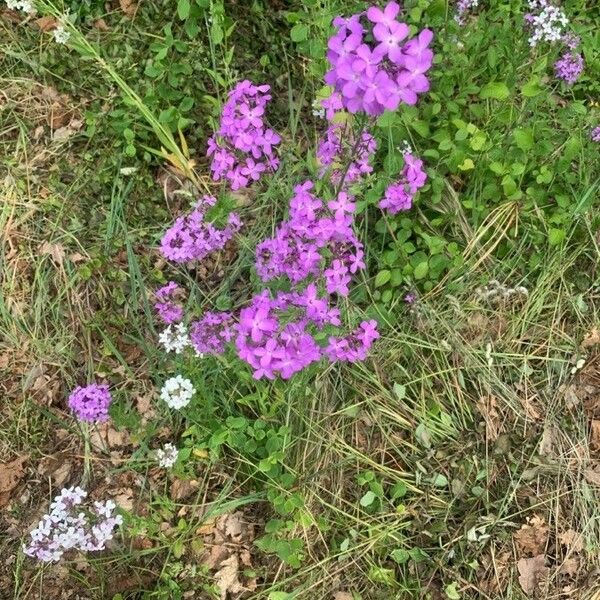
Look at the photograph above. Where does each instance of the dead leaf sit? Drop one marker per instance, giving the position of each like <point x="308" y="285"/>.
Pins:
<point x="226" y="578"/>
<point x="592" y="476"/>
<point x="64" y="133"/>
<point x="11" y="474"/>
<point x="595" y="434"/>
<point x="182" y="488"/>
<point x="123" y="498"/>
<point x="488" y="407"/>
<point x="46" y="23"/>
<point x="129" y="7"/>
<point x="342" y="596"/>
<point x="57" y="467"/>
<point x="56" y="251"/>
<point x="572" y="540"/>
<point x="570" y="566"/>
<point x="101" y="25"/>
<point x="532" y="537"/>
<point x="548" y="441"/>
<point x="592" y="338"/>
<point x="104" y="436"/>
<point x="532" y="573"/>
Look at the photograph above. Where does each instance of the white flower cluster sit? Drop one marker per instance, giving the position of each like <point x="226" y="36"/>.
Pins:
<point x="177" y="392"/>
<point x="495" y="292"/>
<point x="547" y="22"/>
<point x="405" y="148"/>
<point x="167" y="456"/>
<point x="317" y="110"/>
<point x="61" y="35"/>
<point x="24" y="5"/>
<point x="174" y="338"/>
<point x="66" y="528"/>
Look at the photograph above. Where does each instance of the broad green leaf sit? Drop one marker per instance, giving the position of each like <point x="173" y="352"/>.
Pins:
<point x="183" y="9"/>
<point x="498" y="90"/>
<point x="421" y="270"/>
<point x="382" y="278"/>
<point x="299" y="32"/>
<point x="524" y="139"/>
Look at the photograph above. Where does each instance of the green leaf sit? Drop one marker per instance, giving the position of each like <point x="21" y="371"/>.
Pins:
<point x="532" y="88"/>
<point x="183" y="9"/>
<point x="399" y="391"/>
<point x="498" y="90"/>
<point x="556" y="236"/>
<point x="466" y="165"/>
<point x="299" y="32"/>
<point x="400" y="555"/>
<point x="451" y="591"/>
<point x="421" y="270"/>
<point x="382" y="278"/>
<point x="368" y="499"/>
<point x="524" y="139"/>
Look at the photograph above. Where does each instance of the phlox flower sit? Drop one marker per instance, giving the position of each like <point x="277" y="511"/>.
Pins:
<point x="90" y="403"/>
<point x="174" y="338"/>
<point x="399" y="196"/>
<point x="569" y="67"/>
<point x="177" y="392"/>
<point x="167" y="456"/>
<point x="595" y="134"/>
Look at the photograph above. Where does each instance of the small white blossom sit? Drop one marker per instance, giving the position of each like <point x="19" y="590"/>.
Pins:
<point x="24" y="5"/>
<point x="174" y="338"/>
<point x="318" y="110"/>
<point x="548" y="24"/>
<point x="167" y="456"/>
<point x="177" y="392"/>
<point x="61" y="35"/>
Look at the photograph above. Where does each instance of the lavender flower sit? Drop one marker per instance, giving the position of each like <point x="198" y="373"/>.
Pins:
<point x="167" y="310"/>
<point x="192" y="238"/>
<point x="243" y="147"/>
<point x="595" y="134"/>
<point x="399" y="196"/>
<point x="373" y="68"/>
<point x="462" y="8"/>
<point x="545" y="21"/>
<point x="90" y="403"/>
<point x="210" y="334"/>
<point x="68" y="528"/>
<point x="569" y="67"/>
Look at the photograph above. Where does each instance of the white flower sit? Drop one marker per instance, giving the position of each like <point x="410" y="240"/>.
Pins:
<point x="25" y="5"/>
<point x="167" y="456"/>
<point x="318" y="110"/>
<point x="61" y="35"/>
<point x="177" y="392"/>
<point x="174" y="339"/>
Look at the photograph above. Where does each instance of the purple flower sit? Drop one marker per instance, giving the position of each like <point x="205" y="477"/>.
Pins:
<point x="595" y="134"/>
<point x="373" y="68"/>
<point x="399" y="196"/>
<point x="569" y="67"/>
<point x="243" y="146"/>
<point x="90" y="403"/>
<point x="209" y="334"/>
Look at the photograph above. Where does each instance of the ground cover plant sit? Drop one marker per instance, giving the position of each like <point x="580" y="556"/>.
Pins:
<point x="300" y="299"/>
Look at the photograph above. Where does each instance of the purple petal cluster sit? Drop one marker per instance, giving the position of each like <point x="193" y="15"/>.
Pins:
<point x="595" y="134"/>
<point x="90" y="403"/>
<point x="339" y="147"/>
<point x="399" y="196"/>
<point x="569" y="67"/>
<point x="353" y="347"/>
<point x="191" y="237"/>
<point x="244" y="146"/>
<point x="209" y="334"/>
<point x="463" y="7"/>
<point x="373" y="65"/>
<point x="316" y="235"/>
<point x="167" y="309"/>
<point x="66" y="527"/>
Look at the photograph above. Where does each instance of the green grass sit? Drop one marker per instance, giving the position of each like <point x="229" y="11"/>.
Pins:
<point x="406" y="476"/>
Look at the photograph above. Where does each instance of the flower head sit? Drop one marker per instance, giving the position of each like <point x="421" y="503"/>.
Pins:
<point x="167" y="456"/>
<point x="90" y="403"/>
<point x="61" y="35"/>
<point x="177" y="392"/>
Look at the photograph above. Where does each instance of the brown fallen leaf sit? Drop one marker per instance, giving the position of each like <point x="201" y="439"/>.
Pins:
<point x="226" y="578"/>
<point x="342" y="596"/>
<point x="123" y="498"/>
<point x="104" y="436"/>
<point x="129" y="7"/>
<point x="11" y="474"/>
<point x="591" y="338"/>
<point x="57" y="467"/>
<point x="595" y="435"/>
<point x="488" y="407"/>
<point x="183" y="488"/>
<point x="46" y="23"/>
<point x="570" y="566"/>
<point x="532" y="538"/>
<point x="101" y="25"/>
<point x="592" y="476"/>
<point x="56" y="251"/>
<point x="532" y="573"/>
<point x="572" y="540"/>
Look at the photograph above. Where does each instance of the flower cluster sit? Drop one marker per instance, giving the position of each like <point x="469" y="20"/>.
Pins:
<point x="339" y="147"/>
<point x="399" y="196"/>
<point x="209" y="334"/>
<point x="545" y="21"/>
<point x="167" y="456"/>
<point x="496" y="293"/>
<point x="595" y="134"/>
<point x="191" y="237"/>
<point x="66" y="527"/>
<point x="174" y="338"/>
<point x="25" y="6"/>
<point x="569" y="67"/>
<point x="462" y="8"/>
<point x="372" y="66"/>
<point x="243" y="147"/>
<point x="90" y="403"/>
<point x="61" y="35"/>
<point x="314" y="227"/>
<point x="177" y="392"/>
<point x="168" y="311"/>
